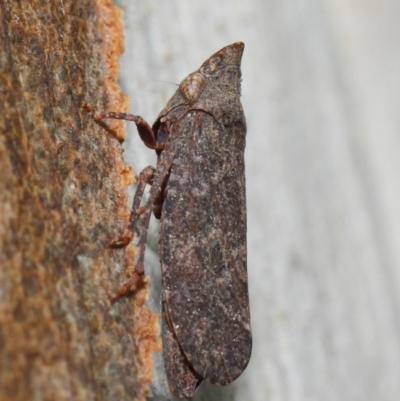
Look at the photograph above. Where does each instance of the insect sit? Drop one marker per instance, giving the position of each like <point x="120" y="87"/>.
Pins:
<point x="198" y="192"/>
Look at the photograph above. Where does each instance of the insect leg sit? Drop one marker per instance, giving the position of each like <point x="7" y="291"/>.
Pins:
<point x="145" y="132"/>
<point x="159" y="176"/>
<point x="163" y="168"/>
<point x="145" y="177"/>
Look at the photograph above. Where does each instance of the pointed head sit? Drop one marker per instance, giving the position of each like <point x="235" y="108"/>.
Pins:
<point x="192" y="86"/>
<point x="228" y="56"/>
<point x="214" y="88"/>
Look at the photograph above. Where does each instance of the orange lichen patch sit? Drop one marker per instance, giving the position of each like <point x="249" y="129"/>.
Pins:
<point x="110" y="26"/>
<point x="147" y="335"/>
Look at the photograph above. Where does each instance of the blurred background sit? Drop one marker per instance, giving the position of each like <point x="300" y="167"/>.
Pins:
<point x="321" y="95"/>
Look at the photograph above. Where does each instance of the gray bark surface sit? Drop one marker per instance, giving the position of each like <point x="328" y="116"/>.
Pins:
<point x="320" y="93"/>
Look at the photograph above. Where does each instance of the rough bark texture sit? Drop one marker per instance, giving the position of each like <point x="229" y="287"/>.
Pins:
<point x="62" y="200"/>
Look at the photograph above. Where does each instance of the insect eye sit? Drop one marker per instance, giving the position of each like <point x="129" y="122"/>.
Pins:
<point x="192" y="87"/>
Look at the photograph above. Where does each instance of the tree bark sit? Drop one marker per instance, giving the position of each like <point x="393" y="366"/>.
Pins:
<point x="62" y="200"/>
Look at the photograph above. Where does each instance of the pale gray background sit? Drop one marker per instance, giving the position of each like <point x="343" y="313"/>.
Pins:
<point x="321" y="92"/>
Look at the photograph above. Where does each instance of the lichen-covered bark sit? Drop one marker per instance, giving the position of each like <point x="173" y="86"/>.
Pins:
<point x="62" y="200"/>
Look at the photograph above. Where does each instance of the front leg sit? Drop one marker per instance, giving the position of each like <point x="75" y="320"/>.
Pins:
<point x="145" y="132"/>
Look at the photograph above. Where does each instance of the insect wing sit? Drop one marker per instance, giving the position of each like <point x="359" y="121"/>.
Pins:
<point x="182" y="380"/>
<point x="203" y="247"/>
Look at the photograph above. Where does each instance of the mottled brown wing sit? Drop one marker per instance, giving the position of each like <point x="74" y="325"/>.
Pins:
<point x="203" y="247"/>
<point x="182" y="380"/>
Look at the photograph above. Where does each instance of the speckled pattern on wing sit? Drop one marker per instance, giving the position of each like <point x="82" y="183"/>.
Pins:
<point x="182" y="379"/>
<point x="203" y="246"/>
